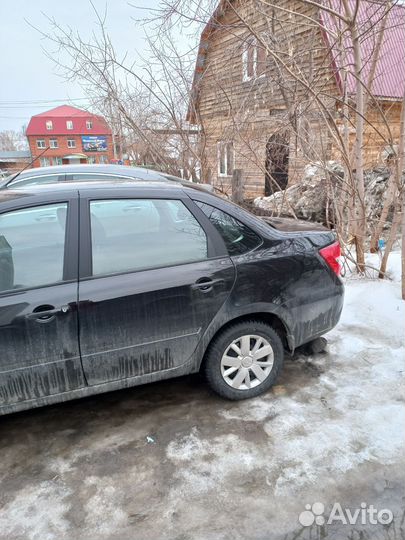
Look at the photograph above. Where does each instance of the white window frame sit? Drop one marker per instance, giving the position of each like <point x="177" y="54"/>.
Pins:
<point x="223" y="146"/>
<point x="41" y="143"/>
<point x="69" y="143"/>
<point x="44" y="161"/>
<point x="57" y="161"/>
<point x="53" y="143"/>
<point x="69" y="124"/>
<point x="250" y="42"/>
<point x="49" y="125"/>
<point x="89" y="124"/>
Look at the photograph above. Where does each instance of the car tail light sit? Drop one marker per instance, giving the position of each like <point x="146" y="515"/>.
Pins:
<point x="331" y="255"/>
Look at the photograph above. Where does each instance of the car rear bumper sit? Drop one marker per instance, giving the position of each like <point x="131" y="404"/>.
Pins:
<point x="314" y="319"/>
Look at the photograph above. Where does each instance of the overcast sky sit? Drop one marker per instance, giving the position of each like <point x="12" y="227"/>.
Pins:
<point x="28" y="76"/>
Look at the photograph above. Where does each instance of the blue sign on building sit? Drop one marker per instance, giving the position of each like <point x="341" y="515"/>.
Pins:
<point x="94" y="143"/>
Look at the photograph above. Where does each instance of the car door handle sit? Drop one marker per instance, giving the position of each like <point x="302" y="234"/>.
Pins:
<point x="205" y="284"/>
<point x="41" y="314"/>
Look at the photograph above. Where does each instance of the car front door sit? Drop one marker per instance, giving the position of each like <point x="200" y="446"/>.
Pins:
<point x="38" y="301"/>
<point x="153" y="282"/>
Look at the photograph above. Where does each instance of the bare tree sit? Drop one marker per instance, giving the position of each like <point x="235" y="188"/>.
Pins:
<point x="144" y="103"/>
<point x="13" y="140"/>
<point x="304" y="91"/>
<point x="147" y="106"/>
<point x="399" y="203"/>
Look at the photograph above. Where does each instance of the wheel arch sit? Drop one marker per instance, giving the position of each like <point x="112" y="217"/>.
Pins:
<point x="271" y="319"/>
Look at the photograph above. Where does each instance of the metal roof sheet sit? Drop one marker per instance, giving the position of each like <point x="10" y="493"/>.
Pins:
<point x="389" y="78"/>
<point x="59" y="116"/>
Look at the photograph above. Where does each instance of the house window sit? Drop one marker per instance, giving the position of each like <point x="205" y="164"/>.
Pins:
<point x="103" y="159"/>
<point x="57" y="161"/>
<point x="49" y="124"/>
<point x="44" y="161"/>
<point x="71" y="143"/>
<point x="41" y="143"/>
<point x="53" y="143"/>
<point x="225" y="158"/>
<point x="253" y="60"/>
<point x="69" y="124"/>
<point x="91" y="159"/>
<point x="89" y="124"/>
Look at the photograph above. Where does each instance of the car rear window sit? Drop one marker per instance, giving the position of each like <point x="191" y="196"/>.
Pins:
<point x="135" y="234"/>
<point x="238" y="237"/>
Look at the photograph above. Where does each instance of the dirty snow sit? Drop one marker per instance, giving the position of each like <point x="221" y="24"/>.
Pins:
<point x="37" y="513"/>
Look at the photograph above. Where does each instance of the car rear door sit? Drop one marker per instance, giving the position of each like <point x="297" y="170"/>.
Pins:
<point x="154" y="273"/>
<point x="38" y="300"/>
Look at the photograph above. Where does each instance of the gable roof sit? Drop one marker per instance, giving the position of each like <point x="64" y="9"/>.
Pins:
<point x="389" y="79"/>
<point x="59" y="115"/>
<point x="200" y="66"/>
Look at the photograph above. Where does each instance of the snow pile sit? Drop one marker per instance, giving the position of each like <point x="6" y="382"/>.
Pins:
<point x="319" y="185"/>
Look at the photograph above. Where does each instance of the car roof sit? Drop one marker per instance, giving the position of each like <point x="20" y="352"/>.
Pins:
<point x="139" y="172"/>
<point x="43" y="191"/>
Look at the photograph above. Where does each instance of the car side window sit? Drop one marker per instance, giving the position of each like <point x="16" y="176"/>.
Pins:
<point x="134" y="234"/>
<point x="34" y="180"/>
<point x="238" y="237"/>
<point x="32" y="245"/>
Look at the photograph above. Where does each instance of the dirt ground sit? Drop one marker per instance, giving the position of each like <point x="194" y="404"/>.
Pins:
<point x="171" y="460"/>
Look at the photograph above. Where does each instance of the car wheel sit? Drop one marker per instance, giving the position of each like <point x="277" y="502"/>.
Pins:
<point x="244" y="360"/>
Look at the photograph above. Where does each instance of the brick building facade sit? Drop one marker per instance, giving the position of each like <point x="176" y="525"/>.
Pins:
<point x="67" y="135"/>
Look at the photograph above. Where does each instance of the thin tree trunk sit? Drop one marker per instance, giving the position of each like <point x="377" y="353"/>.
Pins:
<point x="403" y="245"/>
<point x="391" y="239"/>
<point x="399" y="205"/>
<point x="388" y="201"/>
<point x="359" y="208"/>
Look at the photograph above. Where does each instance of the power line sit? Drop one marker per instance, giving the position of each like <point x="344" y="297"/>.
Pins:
<point x="15" y="117"/>
<point x="39" y="101"/>
<point x="32" y="106"/>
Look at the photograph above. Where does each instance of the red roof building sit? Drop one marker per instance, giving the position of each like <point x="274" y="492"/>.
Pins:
<point x="67" y="135"/>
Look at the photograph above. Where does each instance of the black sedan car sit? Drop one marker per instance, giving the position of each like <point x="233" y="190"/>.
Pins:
<point x="110" y="285"/>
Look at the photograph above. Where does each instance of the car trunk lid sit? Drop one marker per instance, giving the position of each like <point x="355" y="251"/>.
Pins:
<point x="317" y="234"/>
<point x="294" y="225"/>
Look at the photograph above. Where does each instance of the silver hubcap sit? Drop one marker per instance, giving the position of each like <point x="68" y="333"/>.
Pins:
<point x="247" y="362"/>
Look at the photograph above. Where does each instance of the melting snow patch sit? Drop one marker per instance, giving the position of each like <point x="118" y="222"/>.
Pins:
<point x="204" y="464"/>
<point x="37" y="512"/>
<point x="102" y="508"/>
<point x="364" y="416"/>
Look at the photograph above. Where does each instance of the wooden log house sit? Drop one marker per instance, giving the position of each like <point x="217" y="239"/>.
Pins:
<point x="273" y="89"/>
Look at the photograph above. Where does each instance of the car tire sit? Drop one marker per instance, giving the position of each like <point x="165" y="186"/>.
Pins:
<point x="232" y="354"/>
